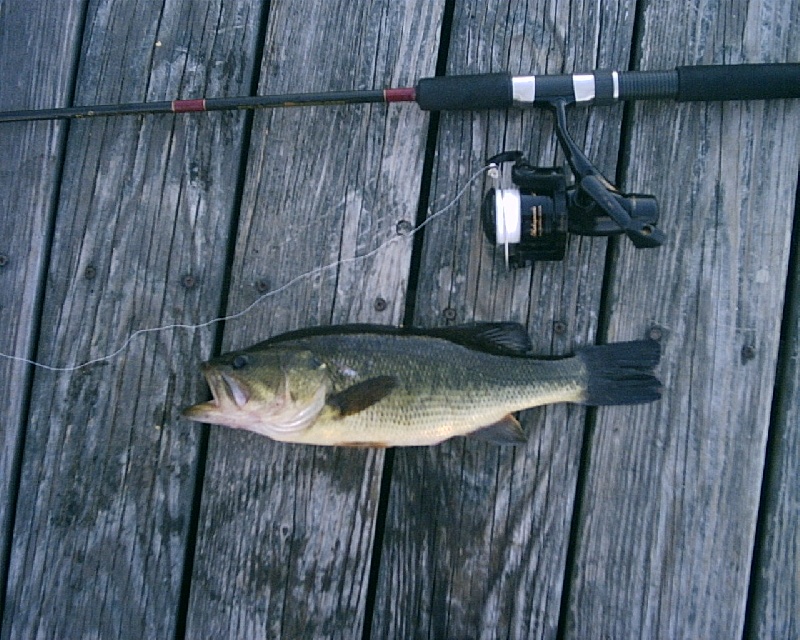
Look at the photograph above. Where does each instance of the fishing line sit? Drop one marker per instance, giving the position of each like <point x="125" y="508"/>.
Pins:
<point x="632" y="214"/>
<point x="239" y="314"/>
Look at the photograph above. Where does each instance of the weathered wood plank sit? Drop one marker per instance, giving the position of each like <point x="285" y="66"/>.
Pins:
<point x="108" y="475"/>
<point x="286" y="531"/>
<point x="28" y="184"/>
<point x="476" y="536"/>
<point x="775" y="608"/>
<point x="665" y="539"/>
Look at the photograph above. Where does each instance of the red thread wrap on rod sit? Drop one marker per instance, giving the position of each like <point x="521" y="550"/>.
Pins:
<point x="183" y="106"/>
<point x="407" y="94"/>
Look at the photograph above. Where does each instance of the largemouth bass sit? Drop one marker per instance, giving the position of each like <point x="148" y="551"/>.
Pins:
<point x="367" y="385"/>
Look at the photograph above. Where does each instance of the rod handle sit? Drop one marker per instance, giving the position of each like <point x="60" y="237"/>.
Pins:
<point x="471" y="92"/>
<point x="739" y="82"/>
<point x="709" y="83"/>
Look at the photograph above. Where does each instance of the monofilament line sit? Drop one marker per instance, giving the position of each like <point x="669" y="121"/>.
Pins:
<point x="235" y="316"/>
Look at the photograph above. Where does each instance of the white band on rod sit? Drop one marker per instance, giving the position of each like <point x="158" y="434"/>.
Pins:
<point x="583" y="86"/>
<point x="523" y="89"/>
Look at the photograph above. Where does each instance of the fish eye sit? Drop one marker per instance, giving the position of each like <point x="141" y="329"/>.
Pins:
<point x="240" y="362"/>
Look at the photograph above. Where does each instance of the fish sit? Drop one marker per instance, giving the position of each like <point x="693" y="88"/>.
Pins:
<point x="380" y="386"/>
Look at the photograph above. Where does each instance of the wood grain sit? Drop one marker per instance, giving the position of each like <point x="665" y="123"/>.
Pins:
<point x="476" y="536"/>
<point x="658" y="553"/>
<point x="158" y="220"/>
<point x="29" y="176"/>
<point x="775" y="606"/>
<point x="108" y="474"/>
<point x="285" y="534"/>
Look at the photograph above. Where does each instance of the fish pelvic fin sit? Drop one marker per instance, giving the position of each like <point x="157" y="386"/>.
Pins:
<point x="361" y="395"/>
<point x="621" y="373"/>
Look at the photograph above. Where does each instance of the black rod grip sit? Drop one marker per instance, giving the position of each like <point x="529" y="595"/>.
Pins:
<point x="648" y="85"/>
<point x="473" y="92"/>
<point x="739" y="82"/>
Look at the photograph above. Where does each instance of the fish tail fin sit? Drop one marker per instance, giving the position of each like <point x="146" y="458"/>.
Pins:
<point x="621" y="372"/>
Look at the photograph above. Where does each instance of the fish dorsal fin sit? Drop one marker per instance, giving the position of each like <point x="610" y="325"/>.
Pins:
<point x="505" y="338"/>
<point x="501" y="338"/>
<point x="362" y="395"/>
<point x="505" y="431"/>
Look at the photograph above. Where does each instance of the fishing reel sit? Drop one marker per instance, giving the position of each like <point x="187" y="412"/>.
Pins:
<point x="532" y="219"/>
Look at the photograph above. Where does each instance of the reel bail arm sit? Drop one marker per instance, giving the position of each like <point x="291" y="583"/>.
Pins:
<point x="597" y="197"/>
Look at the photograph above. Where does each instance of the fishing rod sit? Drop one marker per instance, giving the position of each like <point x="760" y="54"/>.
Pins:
<point x="533" y="218"/>
<point x="493" y="91"/>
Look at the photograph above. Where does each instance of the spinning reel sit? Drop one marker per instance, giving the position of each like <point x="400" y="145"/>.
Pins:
<point x="531" y="220"/>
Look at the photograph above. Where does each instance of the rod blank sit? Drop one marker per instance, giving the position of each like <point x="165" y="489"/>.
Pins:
<point x="213" y="104"/>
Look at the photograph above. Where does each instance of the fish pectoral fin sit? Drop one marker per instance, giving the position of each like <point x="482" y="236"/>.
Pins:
<point x="505" y="431"/>
<point x="362" y="395"/>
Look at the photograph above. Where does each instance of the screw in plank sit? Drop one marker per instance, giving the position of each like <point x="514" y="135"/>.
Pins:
<point x="189" y="281"/>
<point x="3" y="260"/>
<point x="449" y="314"/>
<point x="655" y="333"/>
<point x="90" y="272"/>
<point x="559" y="327"/>
<point x="261" y="285"/>
<point x="403" y="228"/>
<point x="380" y="304"/>
<point x="748" y="352"/>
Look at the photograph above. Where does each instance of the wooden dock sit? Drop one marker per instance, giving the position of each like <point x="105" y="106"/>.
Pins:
<point x="120" y="519"/>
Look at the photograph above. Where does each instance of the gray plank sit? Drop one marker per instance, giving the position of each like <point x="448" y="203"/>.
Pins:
<point x="775" y="607"/>
<point x="28" y="182"/>
<point x="476" y="535"/>
<point x="665" y="539"/>
<point x="286" y="531"/>
<point x="108" y="474"/>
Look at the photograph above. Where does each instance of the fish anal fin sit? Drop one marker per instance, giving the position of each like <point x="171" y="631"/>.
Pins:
<point x="362" y="395"/>
<point x="504" y="431"/>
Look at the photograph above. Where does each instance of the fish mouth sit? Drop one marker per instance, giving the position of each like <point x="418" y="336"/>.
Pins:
<point x="225" y="388"/>
<point x="227" y="392"/>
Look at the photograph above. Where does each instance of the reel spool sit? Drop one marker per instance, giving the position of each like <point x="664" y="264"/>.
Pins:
<point x="529" y="219"/>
